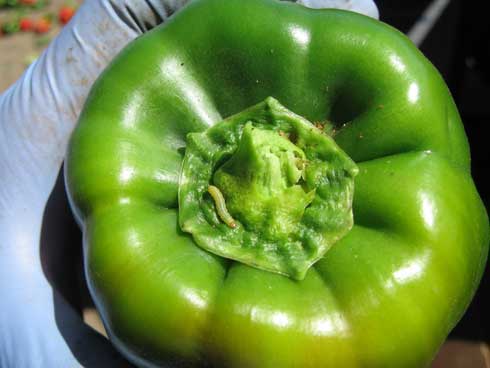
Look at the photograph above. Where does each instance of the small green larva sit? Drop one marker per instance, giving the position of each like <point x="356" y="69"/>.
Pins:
<point x="219" y="201"/>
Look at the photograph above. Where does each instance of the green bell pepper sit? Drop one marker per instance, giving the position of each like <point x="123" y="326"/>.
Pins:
<point x="264" y="185"/>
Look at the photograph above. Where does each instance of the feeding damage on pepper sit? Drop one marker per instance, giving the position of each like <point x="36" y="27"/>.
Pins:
<point x="288" y="190"/>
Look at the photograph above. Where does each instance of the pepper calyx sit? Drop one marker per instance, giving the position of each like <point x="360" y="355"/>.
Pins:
<point x="286" y="187"/>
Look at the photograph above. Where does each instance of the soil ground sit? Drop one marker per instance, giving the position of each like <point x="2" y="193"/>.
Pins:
<point x="19" y="49"/>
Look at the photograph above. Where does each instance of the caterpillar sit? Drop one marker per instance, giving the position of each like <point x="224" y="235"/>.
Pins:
<point x="219" y="201"/>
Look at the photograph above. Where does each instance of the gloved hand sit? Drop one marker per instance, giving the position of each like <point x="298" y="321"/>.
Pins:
<point x="38" y="327"/>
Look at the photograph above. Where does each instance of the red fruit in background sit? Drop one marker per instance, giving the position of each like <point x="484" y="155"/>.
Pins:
<point x="28" y="2"/>
<point x="42" y="26"/>
<point x="26" y="24"/>
<point x="65" y="14"/>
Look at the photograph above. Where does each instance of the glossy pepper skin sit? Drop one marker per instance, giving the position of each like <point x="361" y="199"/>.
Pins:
<point x="385" y="295"/>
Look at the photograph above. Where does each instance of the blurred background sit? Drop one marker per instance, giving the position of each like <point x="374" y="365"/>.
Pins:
<point x="453" y="34"/>
<point x="26" y="28"/>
